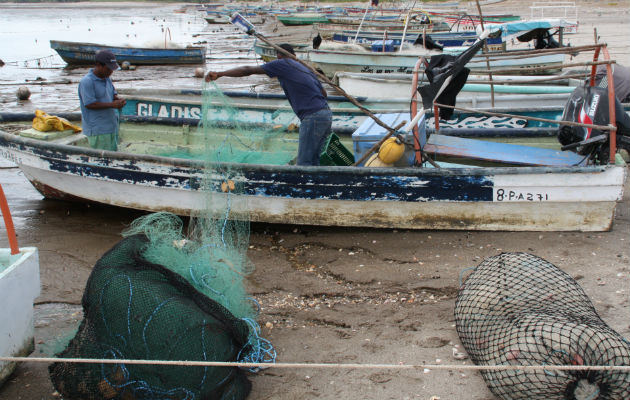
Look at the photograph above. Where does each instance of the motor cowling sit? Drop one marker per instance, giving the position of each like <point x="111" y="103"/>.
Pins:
<point x="589" y="105"/>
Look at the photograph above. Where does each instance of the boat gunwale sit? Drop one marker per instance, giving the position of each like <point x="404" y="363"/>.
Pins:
<point x="79" y="44"/>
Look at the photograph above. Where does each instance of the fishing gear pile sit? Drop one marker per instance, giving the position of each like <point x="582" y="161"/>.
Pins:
<point x="162" y="294"/>
<point x="518" y="309"/>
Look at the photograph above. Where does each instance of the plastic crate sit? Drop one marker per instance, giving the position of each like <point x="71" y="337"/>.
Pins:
<point x="383" y="45"/>
<point x="335" y="153"/>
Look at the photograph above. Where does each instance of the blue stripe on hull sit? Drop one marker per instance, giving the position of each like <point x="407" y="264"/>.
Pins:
<point x="295" y="184"/>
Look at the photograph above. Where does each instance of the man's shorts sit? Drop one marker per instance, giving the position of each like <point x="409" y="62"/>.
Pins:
<point x="108" y="141"/>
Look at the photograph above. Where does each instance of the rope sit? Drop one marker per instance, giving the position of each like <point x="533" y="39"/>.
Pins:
<point x="42" y="62"/>
<point x="623" y="368"/>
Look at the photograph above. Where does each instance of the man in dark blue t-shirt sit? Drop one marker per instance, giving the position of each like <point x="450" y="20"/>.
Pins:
<point x="306" y="96"/>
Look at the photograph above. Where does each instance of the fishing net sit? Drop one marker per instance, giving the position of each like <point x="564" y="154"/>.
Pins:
<point x="518" y="309"/>
<point x="135" y="309"/>
<point x="244" y="133"/>
<point x="160" y="294"/>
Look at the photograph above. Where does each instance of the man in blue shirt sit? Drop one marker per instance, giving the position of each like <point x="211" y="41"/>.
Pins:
<point x="306" y="96"/>
<point x="100" y="103"/>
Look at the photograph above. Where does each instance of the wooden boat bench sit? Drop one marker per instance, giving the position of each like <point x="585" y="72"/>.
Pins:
<point x="504" y="153"/>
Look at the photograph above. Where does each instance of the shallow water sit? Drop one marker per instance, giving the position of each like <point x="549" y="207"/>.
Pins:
<point x="26" y="31"/>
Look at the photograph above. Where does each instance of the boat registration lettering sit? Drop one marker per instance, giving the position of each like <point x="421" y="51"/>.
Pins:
<point x="513" y="195"/>
<point x="167" y="111"/>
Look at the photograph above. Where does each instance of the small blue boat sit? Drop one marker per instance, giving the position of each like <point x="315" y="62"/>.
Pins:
<point x="80" y="53"/>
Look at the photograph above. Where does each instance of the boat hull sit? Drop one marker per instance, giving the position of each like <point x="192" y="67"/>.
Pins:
<point x="185" y="106"/>
<point x="512" y="199"/>
<point x="269" y="109"/>
<point x="75" y="53"/>
<point x="330" y="62"/>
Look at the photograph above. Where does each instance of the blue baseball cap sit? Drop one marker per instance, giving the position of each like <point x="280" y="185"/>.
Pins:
<point x="108" y="58"/>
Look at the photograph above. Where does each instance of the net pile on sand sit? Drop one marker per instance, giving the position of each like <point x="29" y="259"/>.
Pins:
<point x="161" y="294"/>
<point x="518" y="309"/>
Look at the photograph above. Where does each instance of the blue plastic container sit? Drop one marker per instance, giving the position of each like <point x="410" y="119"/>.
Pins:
<point x="370" y="133"/>
<point x="380" y="45"/>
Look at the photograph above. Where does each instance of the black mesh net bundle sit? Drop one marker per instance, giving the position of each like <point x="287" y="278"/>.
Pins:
<point x="518" y="309"/>
<point x="135" y="309"/>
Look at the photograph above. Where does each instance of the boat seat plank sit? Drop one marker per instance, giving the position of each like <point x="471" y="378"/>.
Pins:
<point x="69" y="140"/>
<point x="452" y="146"/>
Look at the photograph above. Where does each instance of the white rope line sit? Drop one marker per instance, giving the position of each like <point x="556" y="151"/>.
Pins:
<point x="324" y="365"/>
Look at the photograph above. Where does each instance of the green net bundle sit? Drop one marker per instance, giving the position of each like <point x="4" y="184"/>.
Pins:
<point x="518" y="309"/>
<point x="160" y="294"/>
<point x="135" y="309"/>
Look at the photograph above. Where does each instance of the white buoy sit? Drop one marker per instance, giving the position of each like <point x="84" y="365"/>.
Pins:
<point x="199" y="72"/>
<point x="125" y="65"/>
<point x="23" y="93"/>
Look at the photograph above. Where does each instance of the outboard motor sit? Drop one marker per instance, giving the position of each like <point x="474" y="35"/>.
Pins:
<point x="589" y="105"/>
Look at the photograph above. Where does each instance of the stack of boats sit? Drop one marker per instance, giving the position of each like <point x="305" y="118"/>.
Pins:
<point x="516" y="178"/>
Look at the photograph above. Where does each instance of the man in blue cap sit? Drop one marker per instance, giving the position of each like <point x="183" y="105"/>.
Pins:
<point x="100" y="103"/>
<point x="306" y="96"/>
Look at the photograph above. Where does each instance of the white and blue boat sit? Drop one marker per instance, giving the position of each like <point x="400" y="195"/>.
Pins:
<point x="549" y="192"/>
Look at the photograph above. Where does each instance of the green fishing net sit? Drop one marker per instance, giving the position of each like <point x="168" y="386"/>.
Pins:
<point x="231" y="138"/>
<point x="247" y="132"/>
<point x="169" y="293"/>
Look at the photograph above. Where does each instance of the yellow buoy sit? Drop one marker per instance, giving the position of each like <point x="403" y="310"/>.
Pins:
<point x="391" y="150"/>
<point x="375" y="162"/>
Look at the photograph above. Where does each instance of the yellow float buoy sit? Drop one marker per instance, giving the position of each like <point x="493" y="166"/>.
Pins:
<point x="391" y="150"/>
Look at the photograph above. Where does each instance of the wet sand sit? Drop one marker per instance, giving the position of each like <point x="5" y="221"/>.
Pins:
<point x="334" y="295"/>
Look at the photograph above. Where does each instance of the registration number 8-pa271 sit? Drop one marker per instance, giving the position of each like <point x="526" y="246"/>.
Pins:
<point x="513" y="195"/>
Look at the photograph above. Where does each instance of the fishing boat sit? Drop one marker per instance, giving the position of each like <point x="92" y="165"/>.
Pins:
<point x="268" y="53"/>
<point x="444" y="39"/>
<point x="301" y="19"/>
<point x="538" y="195"/>
<point x="185" y="106"/>
<point x="393" y="60"/>
<point x="251" y="108"/>
<point x="333" y="61"/>
<point x="225" y="18"/>
<point x="382" y="25"/>
<point x="80" y="53"/>
<point x="476" y="93"/>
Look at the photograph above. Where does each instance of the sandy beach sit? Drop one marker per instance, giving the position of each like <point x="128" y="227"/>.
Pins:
<point x="337" y="295"/>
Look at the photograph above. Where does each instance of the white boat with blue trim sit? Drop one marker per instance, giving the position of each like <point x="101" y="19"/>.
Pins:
<point x="534" y="196"/>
